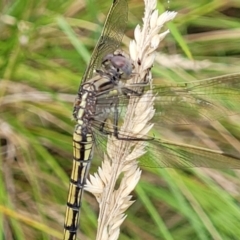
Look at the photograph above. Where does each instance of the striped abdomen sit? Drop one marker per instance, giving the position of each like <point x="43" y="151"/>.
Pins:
<point x="82" y="155"/>
<point x="85" y="113"/>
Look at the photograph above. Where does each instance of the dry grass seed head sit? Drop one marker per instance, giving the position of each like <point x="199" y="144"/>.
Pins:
<point x="121" y="155"/>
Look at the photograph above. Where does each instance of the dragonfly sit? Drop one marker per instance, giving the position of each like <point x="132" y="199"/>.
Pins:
<point x="102" y="98"/>
<point x="90" y="90"/>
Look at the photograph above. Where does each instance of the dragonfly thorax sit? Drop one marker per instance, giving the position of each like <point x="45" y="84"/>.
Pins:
<point x="84" y="106"/>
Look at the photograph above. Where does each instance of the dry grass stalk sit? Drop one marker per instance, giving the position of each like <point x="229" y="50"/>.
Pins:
<point x="121" y="158"/>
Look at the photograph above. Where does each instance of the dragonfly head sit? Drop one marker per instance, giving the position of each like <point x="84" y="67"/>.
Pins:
<point x="118" y="64"/>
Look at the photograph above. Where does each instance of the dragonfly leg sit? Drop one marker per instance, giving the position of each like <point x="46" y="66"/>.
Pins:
<point x="130" y="92"/>
<point x="140" y="85"/>
<point x="102" y="130"/>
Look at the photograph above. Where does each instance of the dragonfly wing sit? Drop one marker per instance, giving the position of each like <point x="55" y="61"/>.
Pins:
<point x="193" y="102"/>
<point x="198" y="101"/>
<point x="166" y="154"/>
<point x="111" y="36"/>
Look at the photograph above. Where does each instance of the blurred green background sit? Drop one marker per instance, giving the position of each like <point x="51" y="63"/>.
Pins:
<point x="45" y="46"/>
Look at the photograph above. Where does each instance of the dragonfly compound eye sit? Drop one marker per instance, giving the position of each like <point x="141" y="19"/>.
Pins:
<point x="118" y="63"/>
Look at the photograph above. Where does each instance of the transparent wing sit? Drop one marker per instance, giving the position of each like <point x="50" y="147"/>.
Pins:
<point x="166" y="154"/>
<point x="198" y="101"/>
<point x="194" y="102"/>
<point x="191" y="104"/>
<point x="111" y="36"/>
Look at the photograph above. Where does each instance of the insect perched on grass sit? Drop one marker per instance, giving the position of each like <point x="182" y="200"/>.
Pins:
<point x="100" y="107"/>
